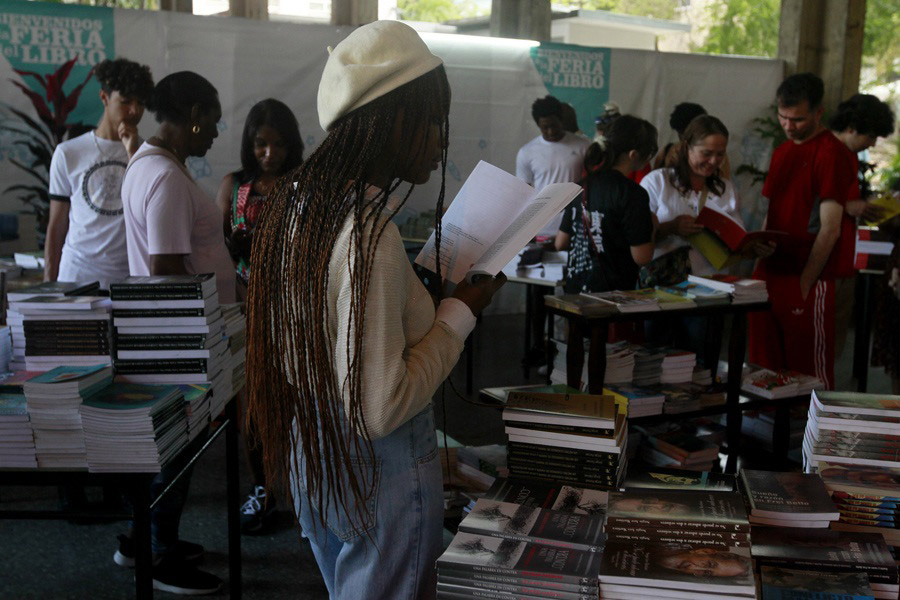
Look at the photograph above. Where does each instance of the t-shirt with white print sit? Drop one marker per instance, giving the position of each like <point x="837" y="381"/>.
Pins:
<point x="87" y="172"/>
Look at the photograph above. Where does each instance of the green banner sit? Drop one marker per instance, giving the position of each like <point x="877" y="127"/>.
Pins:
<point x="40" y="37"/>
<point x="575" y="74"/>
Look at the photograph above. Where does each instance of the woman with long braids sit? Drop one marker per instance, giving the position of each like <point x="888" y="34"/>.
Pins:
<point x="345" y="345"/>
<point x="270" y="147"/>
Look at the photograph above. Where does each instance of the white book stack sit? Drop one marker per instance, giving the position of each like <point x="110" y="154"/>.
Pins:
<point x="619" y="363"/>
<point x="743" y="291"/>
<point x="37" y="323"/>
<point x="678" y="366"/>
<point x="236" y="332"/>
<point x="53" y="400"/>
<point x="16" y="437"/>
<point x="648" y="365"/>
<point x="169" y="330"/>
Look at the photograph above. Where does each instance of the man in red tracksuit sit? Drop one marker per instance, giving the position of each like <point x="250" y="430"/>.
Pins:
<point x="807" y="186"/>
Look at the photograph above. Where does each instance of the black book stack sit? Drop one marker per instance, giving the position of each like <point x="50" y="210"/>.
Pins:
<point x="44" y="326"/>
<point x="168" y="329"/>
<point x="236" y="334"/>
<point x="572" y="439"/>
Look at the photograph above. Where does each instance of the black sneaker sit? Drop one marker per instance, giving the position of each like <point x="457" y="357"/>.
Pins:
<point x="173" y="575"/>
<point x="185" y="551"/>
<point x="257" y="512"/>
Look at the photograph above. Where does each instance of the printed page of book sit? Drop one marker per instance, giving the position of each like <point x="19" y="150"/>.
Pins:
<point x="492" y="218"/>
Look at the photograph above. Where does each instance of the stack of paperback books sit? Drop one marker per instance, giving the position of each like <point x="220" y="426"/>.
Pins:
<point x="678" y="366"/>
<point x="483" y="566"/>
<point x="714" y="519"/>
<point x="637" y="571"/>
<point x="787" y="584"/>
<point x="868" y="499"/>
<point x="827" y="551"/>
<point x="619" y="363"/>
<point x="16" y="320"/>
<point x="853" y="429"/>
<point x="53" y="400"/>
<point x="133" y="428"/>
<point x="169" y="330"/>
<point x="788" y="499"/>
<point x="778" y="384"/>
<point x="742" y="291"/>
<point x="686" y="397"/>
<point x="673" y="300"/>
<point x="648" y="365"/>
<point x="547" y="494"/>
<point x="511" y="521"/>
<point x="236" y="332"/>
<point x="641" y="402"/>
<point x="196" y="402"/>
<point x="675" y="446"/>
<point x="678" y="479"/>
<point x="701" y="295"/>
<point x="575" y="439"/>
<point x="16" y="437"/>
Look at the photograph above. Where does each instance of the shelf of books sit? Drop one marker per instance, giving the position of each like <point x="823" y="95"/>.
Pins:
<point x="116" y="384"/>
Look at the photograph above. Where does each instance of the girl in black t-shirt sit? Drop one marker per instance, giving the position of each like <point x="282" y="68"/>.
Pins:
<point x="609" y="229"/>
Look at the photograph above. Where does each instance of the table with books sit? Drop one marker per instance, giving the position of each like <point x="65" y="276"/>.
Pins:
<point x="592" y="313"/>
<point x="109" y="391"/>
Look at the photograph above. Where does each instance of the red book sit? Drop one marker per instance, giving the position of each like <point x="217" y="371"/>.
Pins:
<point x="732" y="232"/>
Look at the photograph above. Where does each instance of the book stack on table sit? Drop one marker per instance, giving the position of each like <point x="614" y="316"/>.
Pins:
<point x="649" y="571"/>
<point x="133" y="428"/>
<point x="678" y="366"/>
<point x="679" y="446"/>
<point x="778" y="583"/>
<point x="827" y="551"/>
<point x="484" y="566"/>
<point x="660" y="516"/>
<point x="856" y="455"/>
<point x="648" y="361"/>
<point x="53" y="400"/>
<point x="641" y="402"/>
<point x="16" y="436"/>
<point x="686" y="397"/>
<point x="788" y="499"/>
<point x="55" y="324"/>
<point x="236" y="332"/>
<point x="619" y="363"/>
<point x="766" y="383"/>
<point x="169" y="330"/>
<point x="577" y="439"/>
<point x="742" y="291"/>
<point x="197" y="397"/>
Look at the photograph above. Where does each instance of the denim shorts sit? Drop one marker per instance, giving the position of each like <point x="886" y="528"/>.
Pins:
<point x="391" y="555"/>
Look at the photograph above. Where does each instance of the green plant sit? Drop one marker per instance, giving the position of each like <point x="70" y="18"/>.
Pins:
<point x="40" y="137"/>
<point x="768" y="128"/>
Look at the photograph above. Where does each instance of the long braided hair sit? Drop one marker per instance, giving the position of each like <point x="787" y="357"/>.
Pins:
<point x="294" y="395"/>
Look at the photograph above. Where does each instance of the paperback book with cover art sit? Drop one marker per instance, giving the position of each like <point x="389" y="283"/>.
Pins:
<point x="800" y="496"/>
<point x="692" y="567"/>
<point x="679" y="479"/>
<point x="792" y="584"/>
<point x="689" y="509"/>
<point x="486" y="554"/>
<point x="176" y="287"/>
<point x="537" y="525"/>
<point x="515" y="588"/>
<point x="826" y="550"/>
<point x="544" y="494"/>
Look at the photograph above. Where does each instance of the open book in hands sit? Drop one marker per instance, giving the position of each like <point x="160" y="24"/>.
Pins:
<point x="724" y="239"/>
<point x="492" y="218"/>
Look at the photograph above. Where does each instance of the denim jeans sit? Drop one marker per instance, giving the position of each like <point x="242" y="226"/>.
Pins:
<point x="165" y="517"/>
<point x="392" y="557"/>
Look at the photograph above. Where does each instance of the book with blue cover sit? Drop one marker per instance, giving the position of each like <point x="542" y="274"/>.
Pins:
<point x="68" y="379"/>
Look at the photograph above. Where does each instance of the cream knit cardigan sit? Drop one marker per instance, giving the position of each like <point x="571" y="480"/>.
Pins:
<point x="409" y="348"/>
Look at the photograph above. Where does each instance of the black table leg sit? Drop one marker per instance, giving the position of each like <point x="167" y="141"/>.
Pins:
<point x="597" y="357"/>
<point x="736" y="350"/>
<point x="781" y="433"/>
<point x="233" y="498"/>
<point x="143" y="555"/>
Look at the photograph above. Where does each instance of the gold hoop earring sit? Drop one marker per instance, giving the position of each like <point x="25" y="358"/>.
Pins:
<point x="195" y="129"/>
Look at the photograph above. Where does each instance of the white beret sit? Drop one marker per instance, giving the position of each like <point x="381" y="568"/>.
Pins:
<point x="373" y="60"/>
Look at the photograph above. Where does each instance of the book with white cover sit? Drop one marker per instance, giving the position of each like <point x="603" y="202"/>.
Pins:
<point x="492" y="218"/>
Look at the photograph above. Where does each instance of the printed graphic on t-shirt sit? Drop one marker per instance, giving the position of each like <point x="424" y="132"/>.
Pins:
<point x="596" y="231"/>
<point x="101" y="187"/>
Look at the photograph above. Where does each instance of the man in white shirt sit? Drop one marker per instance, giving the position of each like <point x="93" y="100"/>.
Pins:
<point x="86" y="229"/>
<point x="555" y="156"/>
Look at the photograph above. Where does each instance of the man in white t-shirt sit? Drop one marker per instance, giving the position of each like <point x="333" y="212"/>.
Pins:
<point x="555" y="156"/>
<point x="86" y="229"/>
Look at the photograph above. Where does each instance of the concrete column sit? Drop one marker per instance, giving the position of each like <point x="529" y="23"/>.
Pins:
<point x="250" y="9"/>
<point x="522" y="19"/>
<point x="824" y="37"/>
<point x="353" y="12"/>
